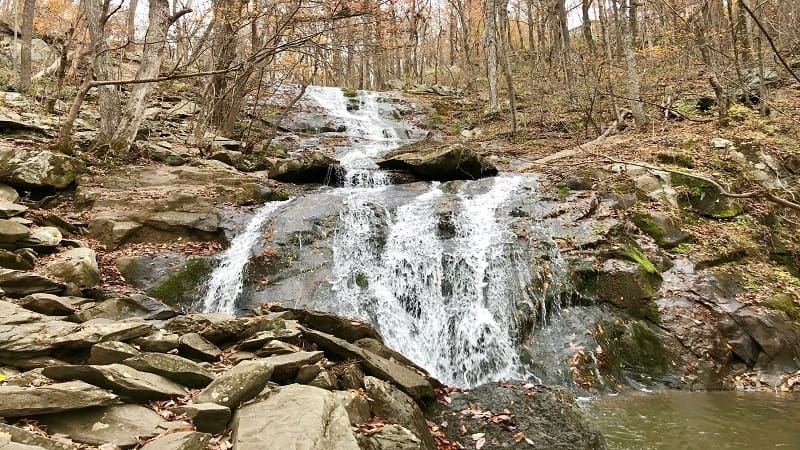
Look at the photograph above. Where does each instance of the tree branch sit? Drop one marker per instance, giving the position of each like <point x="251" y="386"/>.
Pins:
<point x="769" y="39"/>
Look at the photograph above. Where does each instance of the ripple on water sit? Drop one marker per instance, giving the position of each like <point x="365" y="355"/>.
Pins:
<point x="679" y="420"/>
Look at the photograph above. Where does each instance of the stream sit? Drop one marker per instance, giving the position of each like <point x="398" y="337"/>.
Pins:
<point x="439" y="270"/>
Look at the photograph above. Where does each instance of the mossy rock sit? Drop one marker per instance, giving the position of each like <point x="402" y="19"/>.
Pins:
<point x="631" y="346"/>
<point x="786" y="304"/>
<point x="182" y="285"/>
<point x="706" y="199"/>
<point x="659" y="227"/>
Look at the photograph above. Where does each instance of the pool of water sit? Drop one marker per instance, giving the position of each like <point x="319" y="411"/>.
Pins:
<point x="678" y="420"/>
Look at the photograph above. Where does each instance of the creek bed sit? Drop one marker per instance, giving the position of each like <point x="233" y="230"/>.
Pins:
<point x="678" y="420"/>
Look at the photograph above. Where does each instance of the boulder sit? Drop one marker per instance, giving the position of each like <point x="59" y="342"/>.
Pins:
<point x="121" y="425"/>
<point x="10" y="126"/>
<point x="26" y="334"/>
<point x="7" y="193"/>
<point x="660" y="227"/>
<point x="159" y="341"/>
<point x="37" y="168"/>
<point x="22" y="259"/>
<point x="445" y="163"/>
<point x="8" y="209"/>
<point x="195" y="346"/>
<point x="411" y="382"/>
<point x="314" y="168"/>
<point x="548" y="416"/>
<point x="706" y="199"/>
<point x="286" y="366"/>
<point x="181" y="440"/>
<point x="53" y="305"/>
<point x="173" y="367"/>
<point x="16" y="283"/>
<point x="239" y="384"/>
<point x="294" y="417"/>
<point x="241" y="161"/>
<point x="121" y="379"/>
<point x="390" y="403"/>
<point x="12" y="232"/>
<point x="111" y="352"/>
<point x="390" y="437"/>
<point x="206" y="417"/>
<point x="99" y="330"/>
<point x="26" y="437"/>
<point x="42" y="239"/>
<point x="345" y="328"/>
<point x="126" y="307"/>
<point x="626" y="284"/>
<point x="77" y="266"/>
<point x="54" y="398"/>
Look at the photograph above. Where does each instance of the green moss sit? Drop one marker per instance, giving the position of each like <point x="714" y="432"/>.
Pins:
<point x="349" y="93"/>
<point x="682" y="249"/>
<point x="676" y="159"/>
<point x="563" y="191"/>
<point x="631" y="346"/>
<point x="361" y="281"/>
<point x="634" y="253"/>
<point x="786" y="304"/>
<point x="646" y="224"/>
<point x="181" y="285"/>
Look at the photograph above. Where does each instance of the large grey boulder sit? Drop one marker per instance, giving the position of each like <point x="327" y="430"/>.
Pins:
<point x="239" y="384"/>
<point x="286" y="366"/>
<point x="195" y="346"/>
<point x="173" y="367"/>
<point x="121" y="379"/>
<point x="294" y="417"/>
<point x="122" y="425"/>
<point x="181" y="440"/>
<point x="111" y="352"/>
<point x="314" y="168"/>
<point x="77" y="266"/>
<point x="444" y="163"/>
<point x="54" y="398"/>
<point x="408" y="380"/>
<point x="37" y="168"/>
<point x="17" y="283"/>
<point x="12" y="232"/>
<point x="389" y="402"/>
<point x="42" y="239"/>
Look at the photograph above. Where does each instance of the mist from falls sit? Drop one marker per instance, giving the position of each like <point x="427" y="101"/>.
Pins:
<point x="443" y="277"/>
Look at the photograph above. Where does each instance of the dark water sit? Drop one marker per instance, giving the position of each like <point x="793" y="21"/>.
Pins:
<point x="678" y="420"/>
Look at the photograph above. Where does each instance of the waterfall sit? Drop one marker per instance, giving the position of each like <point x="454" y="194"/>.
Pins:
<point x="225" y="284"/>
<point x="441" y="272"/>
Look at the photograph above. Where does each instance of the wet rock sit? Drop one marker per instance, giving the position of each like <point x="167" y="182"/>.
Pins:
<point x="452" y="162"/>
<point x="8" y="209"/>
<point x="390" y="437"/>
<point x="42" y="239"/>
<point x="121" y="425"/>
<point x="172" y="278"/>
<point x="173" y="367"/>
<point x="296" y="416"/>
<point x="548" y="416"/>
<point x="20" y="436"/>
<point x="22" y="259"/>
<point x="12" y="232"/>
<point x="195" y="346"/>
<point x="286" y="366"/>
<point x="411" y="382"/>
<point x="121" y="379"/>
<point x="181" y="440"/>
<point x="111" y="352"/>
<point x="53" y="305"/>
<point x="206" y="417"/>
<point x="239" y="384"/>
<point x="37" y="168"/>
<point x="390" y="402"/>
<point x="16" y="283"/>
<point x="53" y="398"/>
<point x="314" y="168"/>
<point x="661" y="228"/>
<point x="77" y="266"/>
<point x="628" y="285"/>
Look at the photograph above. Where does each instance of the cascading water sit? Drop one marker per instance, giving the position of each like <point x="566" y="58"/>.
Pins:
<point x="225" y="284"/>
<point x="442" y="276"/>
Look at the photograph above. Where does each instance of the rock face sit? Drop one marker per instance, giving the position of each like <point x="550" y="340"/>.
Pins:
<point x="54" y="398"/>
<point x="77" y="266"/>
<point x="452" y="162"/>
<point x="37" y="169"/>
<point x="296" y="417"/>
<point x="548" y="416"/>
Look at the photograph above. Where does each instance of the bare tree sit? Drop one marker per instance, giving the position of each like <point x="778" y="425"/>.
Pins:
<point x="28" y="11"/>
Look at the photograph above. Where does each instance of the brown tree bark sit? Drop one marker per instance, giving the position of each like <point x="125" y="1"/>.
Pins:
<point x="28" y="11"/>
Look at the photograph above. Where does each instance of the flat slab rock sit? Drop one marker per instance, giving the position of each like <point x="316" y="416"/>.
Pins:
<point x="294" y="417"/>
<point x="181" y="440"/>
<point x="173" y="367"/>
<point x="121" y="425"/>
<point x="206" y="417"/>
<point x="120" y="379"/>
<point x="239" y="384"/>
<point x="286" y="366"/>
<point x="20" y="401"/>
<point x="25" y="437"/>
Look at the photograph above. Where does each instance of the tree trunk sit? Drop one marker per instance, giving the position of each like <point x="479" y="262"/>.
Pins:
<point x="637" y="107"/>
<point x="131" y="21"/>
<point x="108" y="96"/>
<point x="502" y="16"/>
<point x="28" y="10"/>
<point x="490" y="45"/>
<point x="587" y="25"/>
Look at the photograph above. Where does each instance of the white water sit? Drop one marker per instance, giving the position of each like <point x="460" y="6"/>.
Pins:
<point x="444" y="291"/>
<point x="225" y="284"/>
